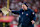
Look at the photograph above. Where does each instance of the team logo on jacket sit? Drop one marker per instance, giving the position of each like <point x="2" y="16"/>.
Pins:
<point x="33" y="13"/>
<point x="22" y="12"/>
<point x="26" y="14"/>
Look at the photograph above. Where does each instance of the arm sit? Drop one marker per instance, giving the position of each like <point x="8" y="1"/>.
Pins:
<point x="33" y="17"/>
<point x="15" y="12"/>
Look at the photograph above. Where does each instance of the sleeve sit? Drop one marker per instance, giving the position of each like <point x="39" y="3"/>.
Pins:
<point x="16" y="12"/>
<point x="33" y="15"/>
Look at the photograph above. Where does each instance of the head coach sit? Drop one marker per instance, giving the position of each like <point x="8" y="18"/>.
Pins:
<point x="27" y="16"/>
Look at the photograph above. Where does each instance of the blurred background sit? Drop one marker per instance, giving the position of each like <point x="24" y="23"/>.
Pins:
<point x="16" y="5"/>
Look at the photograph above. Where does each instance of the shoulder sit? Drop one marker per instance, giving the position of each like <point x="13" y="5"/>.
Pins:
<point x="30" y="10"/>
<point x="21" y="9"/>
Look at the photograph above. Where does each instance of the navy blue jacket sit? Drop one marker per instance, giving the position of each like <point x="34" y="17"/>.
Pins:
<point x="26" y="16"/>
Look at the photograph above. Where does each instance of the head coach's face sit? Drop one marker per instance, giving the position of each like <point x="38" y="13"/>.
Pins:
<point x="24" y="7"/>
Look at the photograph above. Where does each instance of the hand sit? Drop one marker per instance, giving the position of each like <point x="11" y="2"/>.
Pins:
<point x="9" y="10"/>
<point x="33" y="21"/>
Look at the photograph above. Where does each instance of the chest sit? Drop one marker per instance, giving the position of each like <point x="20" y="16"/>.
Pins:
<point x="25" y="13"/>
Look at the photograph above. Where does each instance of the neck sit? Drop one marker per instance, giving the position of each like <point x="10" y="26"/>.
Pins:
<point x="25" y="9"/>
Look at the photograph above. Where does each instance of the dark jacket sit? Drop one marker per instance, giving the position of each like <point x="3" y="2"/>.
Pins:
<point x="26" y="16"/>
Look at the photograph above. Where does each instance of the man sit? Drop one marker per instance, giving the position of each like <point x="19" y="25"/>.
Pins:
<point x="27" y="16"/>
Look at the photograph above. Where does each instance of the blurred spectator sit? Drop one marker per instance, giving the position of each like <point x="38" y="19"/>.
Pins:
<point x="1" y="14"/>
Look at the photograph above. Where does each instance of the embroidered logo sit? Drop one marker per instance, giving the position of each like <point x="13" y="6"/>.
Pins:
<point x="26" y="14"/>
<point x="22" y="12"/>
